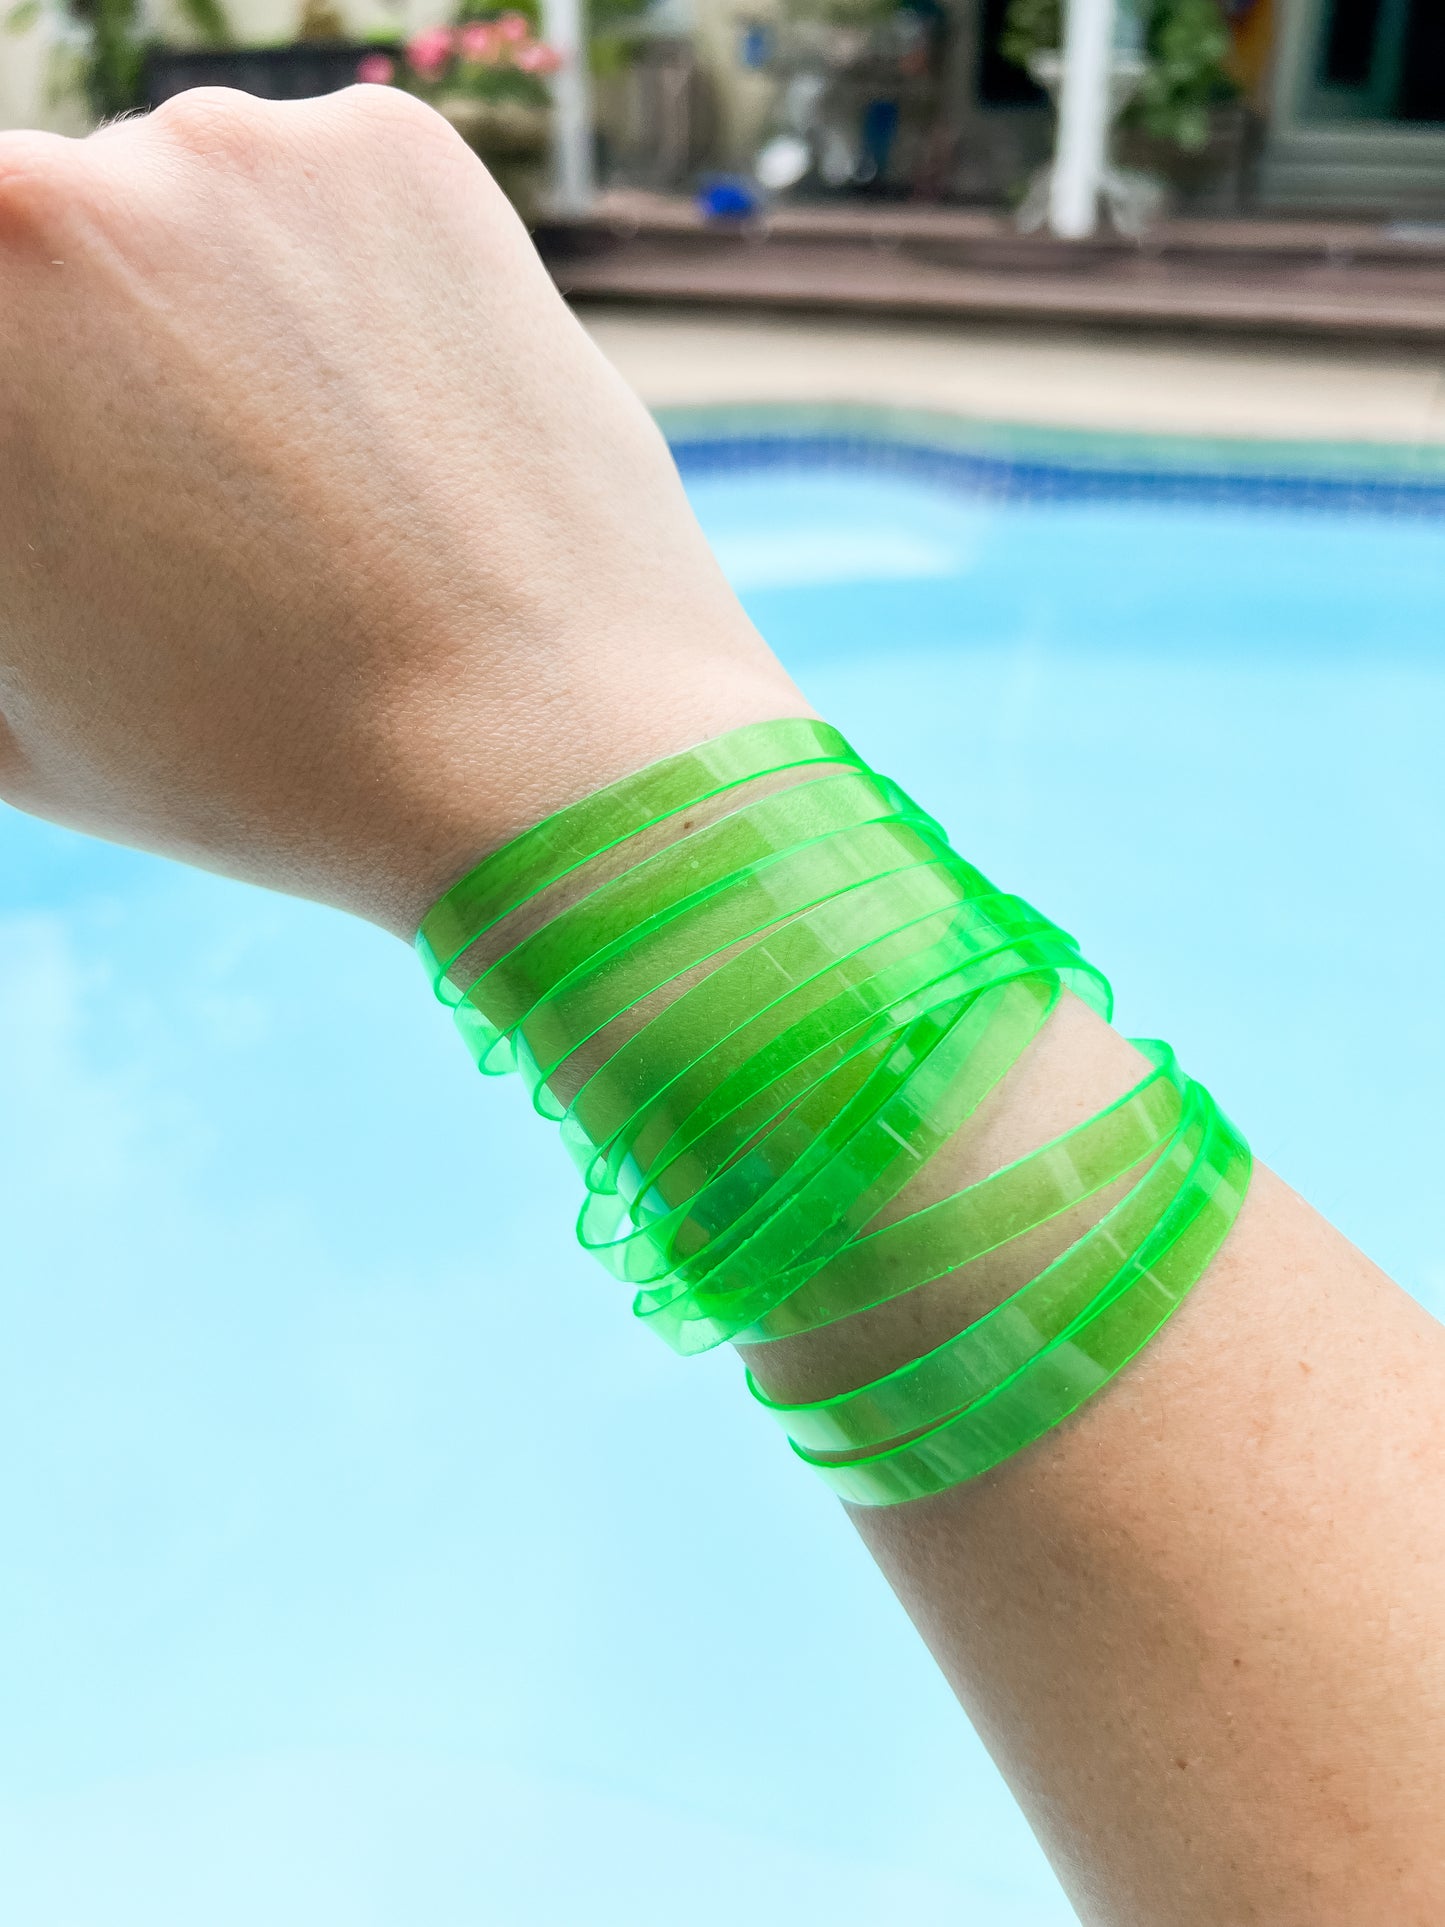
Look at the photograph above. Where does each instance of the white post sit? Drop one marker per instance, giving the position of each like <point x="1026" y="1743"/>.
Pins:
<point x="1081" y="144"/>
<point x="564" y="27"/>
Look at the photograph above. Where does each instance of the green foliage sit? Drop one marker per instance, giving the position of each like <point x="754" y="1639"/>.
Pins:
<point x="208" y="17"/>
<point x="612" y="33"/>
<point x="842" y="13"/>
<point x="108" y="69"/>
<point x="500" y="86"/>
<point x="1031" y="27"/>
<point x="530" y="11"/>
<point x="1187" y="45"/>
<point x="112" y="67"/>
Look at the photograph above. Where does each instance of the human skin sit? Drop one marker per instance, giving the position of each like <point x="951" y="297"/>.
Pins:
<point x="331" y="555"/>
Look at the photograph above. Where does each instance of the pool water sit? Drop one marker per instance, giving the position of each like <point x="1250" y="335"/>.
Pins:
<point x="366" y="1564"/>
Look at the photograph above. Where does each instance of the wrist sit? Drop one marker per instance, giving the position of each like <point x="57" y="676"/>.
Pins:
<point x="464" y="773"/>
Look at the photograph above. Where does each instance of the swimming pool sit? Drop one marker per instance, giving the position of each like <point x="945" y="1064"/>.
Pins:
<point x="284" y="1634"/>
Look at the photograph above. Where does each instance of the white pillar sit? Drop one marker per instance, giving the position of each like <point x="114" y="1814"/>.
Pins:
<point x="1083" y="132"/>
<point x="564" y="27"/>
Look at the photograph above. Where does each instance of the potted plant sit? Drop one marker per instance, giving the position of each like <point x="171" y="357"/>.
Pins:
<point x="1189" y="119"/>
<point x="489" y="77"/>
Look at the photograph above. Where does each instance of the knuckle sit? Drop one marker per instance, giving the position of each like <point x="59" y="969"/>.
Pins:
<point x="32" y="183"/>
<point x="26" y="151"/>
<point x="409" y="141"/>
<point x="372" y="110"/>
<point x="216" y="120"/>
<point x="27" y="162"/>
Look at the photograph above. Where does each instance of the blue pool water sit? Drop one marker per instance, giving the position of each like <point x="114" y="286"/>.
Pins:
<point x="335" y="1594"/>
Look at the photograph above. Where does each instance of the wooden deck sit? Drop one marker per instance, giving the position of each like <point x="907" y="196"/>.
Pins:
<point x="1322" y="278"/>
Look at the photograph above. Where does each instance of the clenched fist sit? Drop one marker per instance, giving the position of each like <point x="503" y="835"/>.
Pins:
<point x="331" y="552"/>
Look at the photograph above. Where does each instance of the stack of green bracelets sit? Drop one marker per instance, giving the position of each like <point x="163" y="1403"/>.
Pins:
<point x="758" y="992"/>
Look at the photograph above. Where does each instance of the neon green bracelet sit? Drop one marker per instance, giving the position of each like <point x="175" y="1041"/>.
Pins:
<point x="945" y="1382"/>
<point x="756" y="1022"/>
<point x="1076" y="1363"/>
<point x="561" y="843"/>
<point x="973" y="1223"/>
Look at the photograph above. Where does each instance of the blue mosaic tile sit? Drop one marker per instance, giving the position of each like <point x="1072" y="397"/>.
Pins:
<point x="1028" y="478"/>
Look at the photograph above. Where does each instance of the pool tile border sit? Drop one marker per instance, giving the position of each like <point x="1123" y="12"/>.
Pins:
<point x="1024" y="462"/>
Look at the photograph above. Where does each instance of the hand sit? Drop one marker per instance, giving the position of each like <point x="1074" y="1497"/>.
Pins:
<point x="331" y="551"/>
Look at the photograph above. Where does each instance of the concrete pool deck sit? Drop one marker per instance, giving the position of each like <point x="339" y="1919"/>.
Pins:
<point x="1056" y="377"/>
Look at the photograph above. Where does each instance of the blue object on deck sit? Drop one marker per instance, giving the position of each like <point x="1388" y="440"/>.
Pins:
<point x="880" y="130"/>
<point x="755" y="45"/>
<point x="726" y="197"/>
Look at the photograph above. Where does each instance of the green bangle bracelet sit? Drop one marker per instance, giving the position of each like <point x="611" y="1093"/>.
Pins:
<point x="1008" y="1204"/>
<point x="756" y="1023"/>
<point x="561" y="843"/>
<point x="822" y="1022"/>
<point x="851" y="1168"/>
<point x="717" y="1147"/>
<point x="755" y="863"/>
<point x="964" y="1369"/>
<point x="741" y="1006"/>
<point x="1076" y="1364"/>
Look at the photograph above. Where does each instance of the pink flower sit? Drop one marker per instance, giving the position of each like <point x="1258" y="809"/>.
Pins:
<point x="429" y="51"/>
<point x="514" y="27"/>
<point x="376" y="70"/>
<point x="538" y="58"/>
<point x="480" y="41"/>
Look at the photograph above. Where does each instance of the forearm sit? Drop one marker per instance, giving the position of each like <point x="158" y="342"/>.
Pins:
<point x="1198" y="1625"/>
<point x="1194" y="1623"/>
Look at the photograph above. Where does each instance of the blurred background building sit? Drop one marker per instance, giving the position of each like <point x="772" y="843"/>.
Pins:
<point x="1318" y="104"/>
<point x="1329" y="106"/>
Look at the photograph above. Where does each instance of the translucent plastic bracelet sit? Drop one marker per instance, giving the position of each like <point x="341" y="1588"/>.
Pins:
<point x="848" y="1171"/>
<point x="525" y="867"/>
<point x="966" y="1368"/>
<point x="757" y="1023"/>
<point x="972" y="1223"/>
<point x="1074" y="1363"/>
